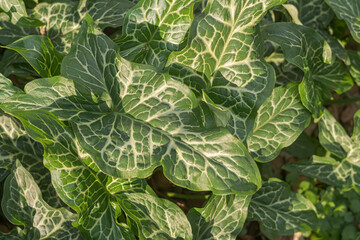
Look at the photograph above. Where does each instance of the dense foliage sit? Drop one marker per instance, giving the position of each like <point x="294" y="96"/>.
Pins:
<point x="97" y="96"/>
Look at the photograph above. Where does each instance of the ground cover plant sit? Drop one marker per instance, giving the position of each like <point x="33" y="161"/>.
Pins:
<point x="167" y="119"/>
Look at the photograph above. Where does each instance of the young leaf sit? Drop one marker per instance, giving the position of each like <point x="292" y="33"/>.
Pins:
<point x="224" y="50"/>
<point x="280" y="210"/>
<point x="222" y="217"/>
<point x="40" y="53"/>
<point x="156" y="218"/>
<point x="349" y="10"/>
<point x="280" y="120"/>
<point x="155" y="28"/>
<point x="23" y="205"/>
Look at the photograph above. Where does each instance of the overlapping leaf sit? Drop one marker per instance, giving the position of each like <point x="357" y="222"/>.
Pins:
<point x="17" y="13"/>
<point x="40" y="53"/>
<point x="313" y="13"/>
<point x="224" y="58"/>
<point x="155" y="28"/>
<point x="152" y="124"/>
<point x="280" y="120"/>
<point x="221" y="218"/>
<point x="15" y="144"/>
<point x="23" y="205"/>
<point x="280" y="210"/>
<point x="307" y="50"/>
<point x="155" y="218"/>
<point x="62" y="20"/>
<point x="349" y="10"/>
<point x="334" y="139"/>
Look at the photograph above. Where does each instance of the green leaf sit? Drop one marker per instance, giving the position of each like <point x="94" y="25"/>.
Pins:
<point x="280" y="210"/>
<point x="78" y="185"/>
<point x="15" y="144"/>
<point x="308" y="50"/>
<point x="154" y="113"/>
<point x="356" y="131"/>
<point x="155" y="28"/>
<point x="7" y="88"/>
<point x="17" y="12"/>
<point x="224" y="50"/>
<point x="222" y="217"/>
<point x="106" y="13"/>
<point x="333" y="136"/>
<point x="354" y="57"/>
<point x="156" y="218"/>
<point x="23" y="205"/>
<point x="279" y="122"/>
<point x="348" y="10"/>
<point x="315" y="13"/>
<point x="321" y="168"/>
<point x="40" y="53"/>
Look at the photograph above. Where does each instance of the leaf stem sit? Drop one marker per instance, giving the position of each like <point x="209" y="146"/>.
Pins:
<point x="185" y="196"/>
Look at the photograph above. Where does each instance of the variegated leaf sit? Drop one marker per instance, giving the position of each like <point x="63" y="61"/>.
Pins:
<point x="224" y="50"/>
<point x="23" y="205"/>
<point x="280" y="120"/>
<point x="222" y="217"/>
<point x="280" y="210"/>
<point x="155" y="28"/>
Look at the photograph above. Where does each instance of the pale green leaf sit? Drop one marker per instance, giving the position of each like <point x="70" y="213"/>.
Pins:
<point x="156" y="218"/>
<point x="222" y="217"/>
<point x="155" y="28"/>
<point x="224" y="50"/>
<point x="280" y="120"/>
<point x="280" y="210"/>
<point x="7" y="88"/>
<point x="17" y="13"/>
<point x="349" y="10"/>
<point x="40" y="53"/>
<point x="78" y="186"/>
<point x="356" y="132"/>
<point x="332" y="136"/>
<point x="23" y="205"/>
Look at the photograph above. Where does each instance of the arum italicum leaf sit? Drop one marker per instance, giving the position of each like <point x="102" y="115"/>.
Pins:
<point x="40" y="53"/>
<point x="155" y="28"/>
<point x="222" y="217"/>
<point x="280" y="120"/>
<point x="62" y="20"/>
<point x="155" y="218"/>
<point x="334" y="139"/>
<point x="280" y="210"/>
<point x="307" y="50"/>
<point x="223" y="58"/>
<point x="142" y="120"/>
<point x="16" y="144"/>
<point x="78" y="185"/>
<point x="17" y="13"/>
<point x="348" y="10"/>
<point x="23" y="205"/>
<point x="96" y="196"/>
